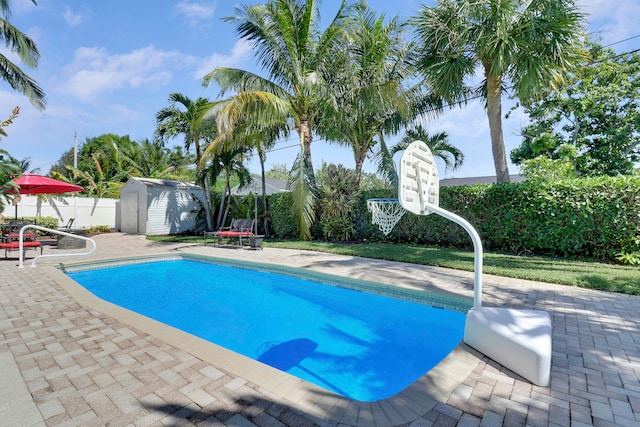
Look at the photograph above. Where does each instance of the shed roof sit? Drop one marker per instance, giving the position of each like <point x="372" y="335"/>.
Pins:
<point x="152" y="182"/>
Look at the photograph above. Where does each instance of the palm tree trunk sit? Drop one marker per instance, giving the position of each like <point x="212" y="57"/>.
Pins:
<point x="306" y="136"/>
<point x="359" y="162"/>
<point x="207" y="201"/>
<point x="224" y="201"/>
<point x="265" y="217"/>
<point x="360" y="155"/>
<point x="494" y="112"/>
<point x="207" y="187"/>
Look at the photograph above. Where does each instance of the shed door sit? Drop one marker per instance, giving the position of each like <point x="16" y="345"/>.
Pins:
<point x="130" y="219"/>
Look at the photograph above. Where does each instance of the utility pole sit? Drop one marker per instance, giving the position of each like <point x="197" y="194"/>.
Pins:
<point x="75" y="150"/>
<point x="75" y="166"/>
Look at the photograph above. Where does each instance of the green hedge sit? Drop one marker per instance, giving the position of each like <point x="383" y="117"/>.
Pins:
<point x="43" y="221"/>
<point x="594" y="217"/>
<point x="283" y="225"/>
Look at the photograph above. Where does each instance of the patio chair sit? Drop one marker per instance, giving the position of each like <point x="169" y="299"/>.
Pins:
<point x="239" y="228"/>
<point x="68" y="226"/>
<point x="11" y="240"/>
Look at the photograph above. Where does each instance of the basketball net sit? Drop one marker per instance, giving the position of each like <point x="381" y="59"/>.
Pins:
<point x="385" y="213"/>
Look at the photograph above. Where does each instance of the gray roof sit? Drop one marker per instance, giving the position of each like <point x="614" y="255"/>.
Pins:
<point x="273" y="185"/>
<point x="452" y="182"/>
<point x="152" y="182"/>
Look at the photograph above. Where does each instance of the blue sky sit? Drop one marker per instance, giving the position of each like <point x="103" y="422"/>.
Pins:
<point x="109" y="66"/>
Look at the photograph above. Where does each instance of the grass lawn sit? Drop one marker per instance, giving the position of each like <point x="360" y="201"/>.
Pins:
<point x="583" y="273"/>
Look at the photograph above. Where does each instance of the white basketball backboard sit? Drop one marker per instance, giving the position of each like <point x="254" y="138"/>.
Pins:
<point x="419" y="180"/>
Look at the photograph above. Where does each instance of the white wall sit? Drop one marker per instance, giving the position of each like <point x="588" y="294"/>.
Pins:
<point x="170" y="210"/>
<point x="86" y="211"/>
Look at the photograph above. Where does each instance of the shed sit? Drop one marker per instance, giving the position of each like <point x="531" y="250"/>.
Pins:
<point x="157" y="206"/>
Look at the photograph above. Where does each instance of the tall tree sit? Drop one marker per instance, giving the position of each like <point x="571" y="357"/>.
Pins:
<point x="247" y="134"/>
<point x="107" y="161"/>
<point x="528" y="45"/>
<point x="152" y="160"/>
<point x="9" y="170"/>
<point x="438" y="144"/>
<point x="262" y="139"/>
<point x="370" y="84"/>
<point x="186" y="117"/>
<point x="102" y="168"/>
<point x="97" y="156"/>
<point x="294" y="52"/>
<point x="25" y="48"/>
<point x="598" y="113"/>
<point x="230" y="163"/>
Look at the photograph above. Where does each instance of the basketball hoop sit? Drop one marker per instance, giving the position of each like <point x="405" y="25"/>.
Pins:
<point x="385" y="213"/>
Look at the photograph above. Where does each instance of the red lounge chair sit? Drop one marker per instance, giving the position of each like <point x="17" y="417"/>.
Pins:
<point x="15" y="245"/>
<point x="239" y="228"/>
<point x="11" y="240"/>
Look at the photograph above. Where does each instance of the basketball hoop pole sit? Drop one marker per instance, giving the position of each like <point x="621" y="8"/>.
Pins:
<point x="419" y="193"/>
<point x="477" y="249"/>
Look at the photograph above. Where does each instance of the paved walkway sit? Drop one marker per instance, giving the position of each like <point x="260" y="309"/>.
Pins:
<point x="66" y="364"/>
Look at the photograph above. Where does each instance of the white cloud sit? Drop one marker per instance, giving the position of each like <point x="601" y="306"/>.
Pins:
<point x="95" y="70"/>
<point x="239" y="53"/>
<point x="466" y="123"/>
<point x="195" y="12"/>
<point x="22" y="7"/>
<point x="73" y="19"/>
<point x="612" y="21"/>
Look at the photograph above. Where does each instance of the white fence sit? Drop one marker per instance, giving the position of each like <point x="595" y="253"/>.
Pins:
<point x="86" y="211"/>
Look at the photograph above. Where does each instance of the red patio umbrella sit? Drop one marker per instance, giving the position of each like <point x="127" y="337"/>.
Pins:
<point x="37" y="184"/>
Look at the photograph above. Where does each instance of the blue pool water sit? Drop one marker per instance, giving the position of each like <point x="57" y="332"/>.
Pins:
<point x="360" y="345"/>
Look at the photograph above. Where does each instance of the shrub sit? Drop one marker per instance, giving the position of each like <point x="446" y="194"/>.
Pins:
<point x="590" y="217"/>
<point x="629" y="258"/>
<point x="96" y="229"/>
<point x="338" y="202"/>
<point x="282" y="221"/>
<point x="42" y="221"/>
<point x="593" y="217"/>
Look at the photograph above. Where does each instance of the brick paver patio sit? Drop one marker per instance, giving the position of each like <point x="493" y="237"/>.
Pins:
<point x="64" y="364"/>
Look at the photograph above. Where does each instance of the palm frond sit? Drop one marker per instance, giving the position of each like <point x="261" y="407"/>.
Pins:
<point x="304" y="193"/>
<point x="386" y="165"/>
<point x="22" y="82"/>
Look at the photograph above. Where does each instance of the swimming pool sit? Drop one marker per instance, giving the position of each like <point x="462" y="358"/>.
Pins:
<point x="358" y="344"/>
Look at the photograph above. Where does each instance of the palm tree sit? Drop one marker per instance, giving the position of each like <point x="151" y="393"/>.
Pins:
<point x="531" y="44"/>
<point x="103" y="158"/>
<point x="247" y="134"/>
<point x="25" y="48"/>
<point x="369" y="81"/>
<point x="9" y="170"/>
<point x="295" y="53"/>
<point x="104" y="179"/>
<point x="439" y="145"/>
<point x="189" y="121"/>
<point x="230" y="163"/>
<point x="151" y="160"/>
<point x="253" y="135"/>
